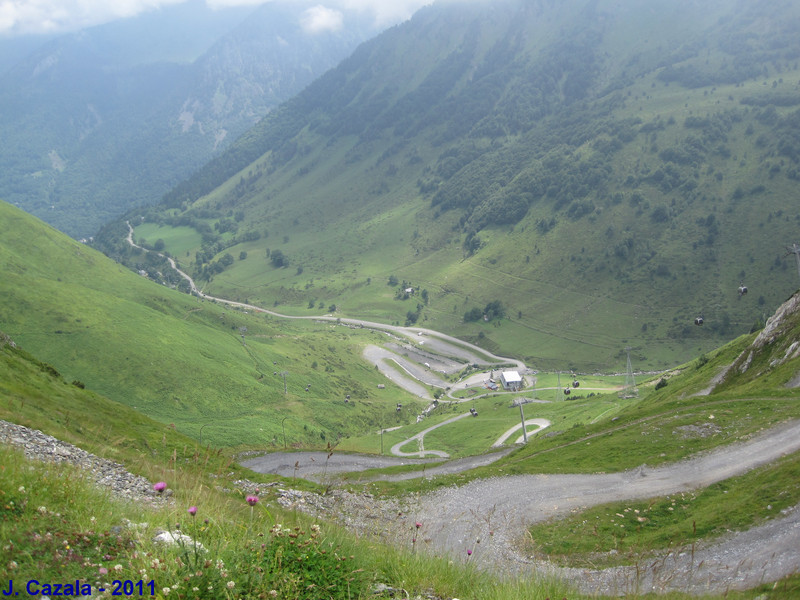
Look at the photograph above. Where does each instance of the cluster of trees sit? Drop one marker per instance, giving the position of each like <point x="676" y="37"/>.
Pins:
<point x="277" y="258"/>
<point x="537" y="168"/>
<point x="413" y="316"/>
<point x="493" y="311"/>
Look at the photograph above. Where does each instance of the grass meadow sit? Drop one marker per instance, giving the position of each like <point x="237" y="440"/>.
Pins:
<point x="86" y="321"/>
<point x="58" y="527"/>
<point x="575" y="298"/>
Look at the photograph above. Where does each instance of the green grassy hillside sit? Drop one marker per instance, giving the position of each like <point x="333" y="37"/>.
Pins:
<point x="607" y="172"/>
<point x="724" y="396"/>
<point x="208" y="370"/>
<point x="58" y="527"/>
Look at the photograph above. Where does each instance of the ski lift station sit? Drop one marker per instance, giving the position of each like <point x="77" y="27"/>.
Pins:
<point x="511" y="381"/>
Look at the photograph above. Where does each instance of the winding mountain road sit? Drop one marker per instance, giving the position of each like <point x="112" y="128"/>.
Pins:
<point x="489" y="517"/>
<point x="440" y="344"/>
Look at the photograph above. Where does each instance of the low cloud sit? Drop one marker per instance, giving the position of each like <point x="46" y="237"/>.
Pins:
<point x="319" y="18"/>
<point x="54" y="16"/>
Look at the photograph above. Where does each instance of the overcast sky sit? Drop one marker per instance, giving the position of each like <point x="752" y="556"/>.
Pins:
<point x="54" y="16"/>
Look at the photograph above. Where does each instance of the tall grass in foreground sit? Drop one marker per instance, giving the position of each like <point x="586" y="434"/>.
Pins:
<point x="216" y="543"/>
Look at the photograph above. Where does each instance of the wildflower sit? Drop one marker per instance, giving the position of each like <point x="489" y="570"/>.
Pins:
<point x="160" y="487"/>
<point x="231" y="585"/>
<point x="12" y="565"/>
<point x="21" y="489"/>
<point x="166" y="591"/>
<point x="251" y="500"/>
<point x="418" y="524"/>
<point x="118" y="568"/>
<point x="42" y="510"/>
<point x="193" y="510"/>
<point x="469" y="552"/>
<point x="273" y="593"/>
<point x="102" y="571"/>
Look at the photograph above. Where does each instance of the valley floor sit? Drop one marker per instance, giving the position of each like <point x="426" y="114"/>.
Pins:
<point x="485" y="521"/>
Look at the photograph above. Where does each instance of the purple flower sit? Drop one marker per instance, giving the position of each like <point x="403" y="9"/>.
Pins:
<point x="418" y="524"/>
<point x="193" y="510"/>
<point x="102" y="571"/>
<point x="160" y="486"/>
<point x="251" y="500"/>
<point x="469" y="552"/>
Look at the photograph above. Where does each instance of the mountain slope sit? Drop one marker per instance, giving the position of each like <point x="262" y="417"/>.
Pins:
<point x="177" y="359"/>
<point x="606" y="172"/>
<point x="114" y="116"/>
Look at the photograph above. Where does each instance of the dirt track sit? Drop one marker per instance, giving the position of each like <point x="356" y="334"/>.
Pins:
<point x="496" y="511"/>
<point x="489" y="518"/>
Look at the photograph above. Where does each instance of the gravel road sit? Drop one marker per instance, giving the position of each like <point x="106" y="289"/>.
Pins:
<point x="316" y="465"/>
<point x="489" y="518"/>
<point x="496" y="512"/>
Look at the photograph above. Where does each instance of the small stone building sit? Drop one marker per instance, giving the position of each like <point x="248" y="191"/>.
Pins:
<point x="511" y="381"/>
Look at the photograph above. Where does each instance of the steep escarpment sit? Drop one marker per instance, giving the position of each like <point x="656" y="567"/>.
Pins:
<point x="774" y="354"/>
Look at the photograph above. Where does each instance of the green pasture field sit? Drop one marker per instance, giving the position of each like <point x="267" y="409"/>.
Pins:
<point x="608" y="433"/>
<point x="55" y="510"/>
<point x="638" y="531"/>
<point x="178" y="241"/>
<point x="496" y="414"/>
<point x="181" y="360"/>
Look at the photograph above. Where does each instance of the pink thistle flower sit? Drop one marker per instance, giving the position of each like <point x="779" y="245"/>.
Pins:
<point x="418" y="524"/>
<point x="160" y="486"/>
<point x="251" y="500"/>
<point x="192" y="510"/>
<point x="469" y="552"/>
<point x="102" y="571"/>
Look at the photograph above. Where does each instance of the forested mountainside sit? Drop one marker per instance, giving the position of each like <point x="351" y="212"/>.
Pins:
<point x="114" y="116"/>
<point x="548" y="179"/>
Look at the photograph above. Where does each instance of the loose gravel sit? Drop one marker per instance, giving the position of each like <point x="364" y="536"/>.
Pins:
<point x="484" y="521"/>
<point x="105" y="473"/>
